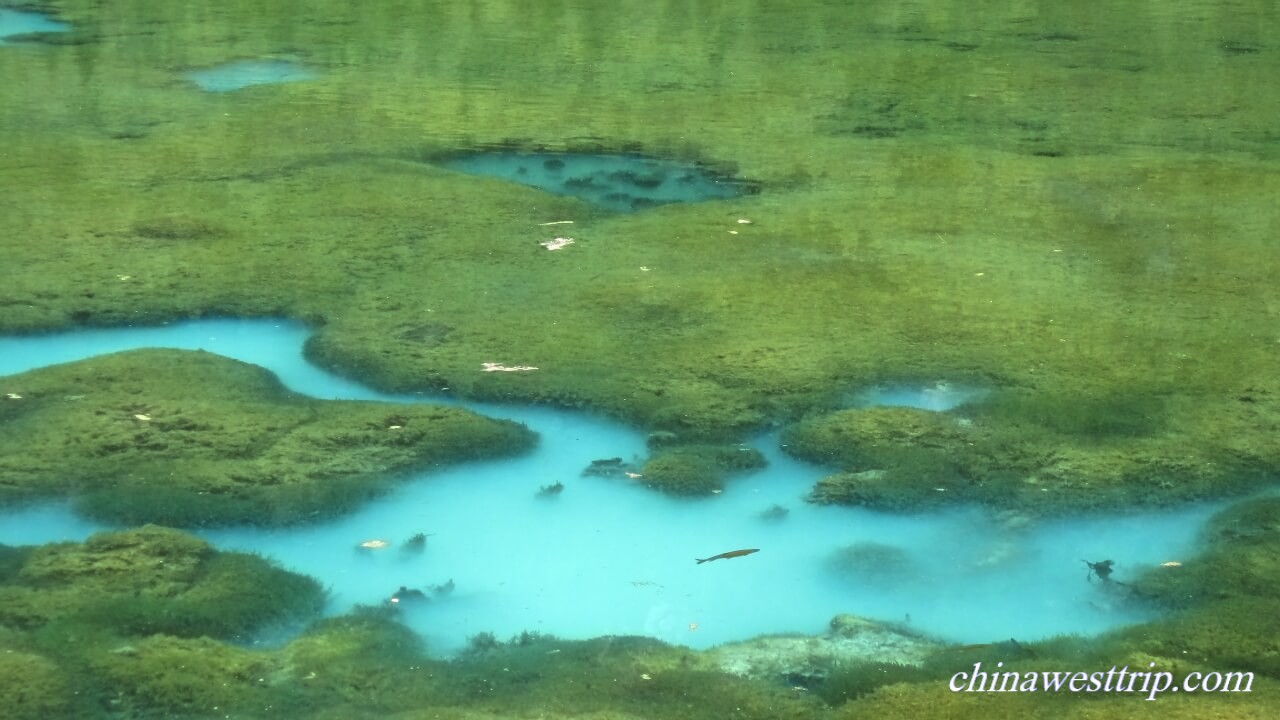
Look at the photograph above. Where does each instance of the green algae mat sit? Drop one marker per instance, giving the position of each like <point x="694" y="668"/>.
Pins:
<point x="1052" y="202"/>
<point x="191" y="438"/>
<point x="1072" y="205"/>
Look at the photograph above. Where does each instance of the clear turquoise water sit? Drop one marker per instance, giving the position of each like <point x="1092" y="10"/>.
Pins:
<point x="19" y="22"/>
<point x="782" y="208"/>
<point x="247" y="73"/>
<point x="609" y="557"/>
<point x="622" y="183"/>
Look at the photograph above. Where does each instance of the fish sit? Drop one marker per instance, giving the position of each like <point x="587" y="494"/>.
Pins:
<point x="730" y="554"/>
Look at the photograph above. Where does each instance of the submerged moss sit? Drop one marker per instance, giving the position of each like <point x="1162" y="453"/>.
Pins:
<point x="189" y="677"/>
<point x="1106" y="239"/>
<point x="189" y="438"/>
<point x="34" y="687"/>
<point x="154" y="580"/>
<point x="367" y="665"/>
<point x="924" y="222"/>
<point x="909" y="459"/>
<point x="697" y="469"/>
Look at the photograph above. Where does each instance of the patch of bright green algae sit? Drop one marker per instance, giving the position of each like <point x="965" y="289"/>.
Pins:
<point x="1041" y="454"/>
<point x="1056" y="199"/>
<point x="693" y="470"/>
<point x="73" y="616"/>
<point x="191" y="438"/>
<point x="151" y="580"/>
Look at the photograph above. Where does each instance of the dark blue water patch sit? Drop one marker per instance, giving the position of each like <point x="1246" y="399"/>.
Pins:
<point x="21" y="24"/>
<point x="620" y="182"/>
<point x="246" y="73"/>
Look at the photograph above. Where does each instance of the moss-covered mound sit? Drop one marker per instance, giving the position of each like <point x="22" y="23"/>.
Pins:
<point x="190" y="438"/>
<point x="33" y="686"/>
<point x="152" y="580"/>
<point x="1029" y="452"/>
<point x="697" y="469"/>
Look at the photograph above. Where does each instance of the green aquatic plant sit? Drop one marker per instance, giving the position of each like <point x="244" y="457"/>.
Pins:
<point x="774" y="513"/>
<point x="624" y="675"/>
<point x="237" y="594"/>
<point x="697" y="469"/>
<point x="550" y="491"/>
<point x="870" y="562"/>
<point x="850" y="681"/>
<point x="189" y="676"/>
<point x="11" y="561"/>
<point x="190" y="439"/>
<point x="1101" y="417"/>
<point x="1101" y="267"/>
<point x="482" y="642"/>
<point x="416" y="543"/>
<point x="154" y="580"/>
<point x="909" y="459"/>
<point x="34" y="686"/>
<point x="366" y="634"/>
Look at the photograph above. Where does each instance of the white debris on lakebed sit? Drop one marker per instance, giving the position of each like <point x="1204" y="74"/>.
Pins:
<point x="499" y="367"/>
<point x="557" y="243"/>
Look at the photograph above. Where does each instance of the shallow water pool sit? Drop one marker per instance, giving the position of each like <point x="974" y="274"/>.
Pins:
<point x="619" y="182"/>
<point x="21" y="22"/>
<point x="610" y="557"/>
<point x="247" y="73"/>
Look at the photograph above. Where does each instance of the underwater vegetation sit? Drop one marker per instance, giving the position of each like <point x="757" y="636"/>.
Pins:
<point x="1120" y="261"/>
<point x="78" y="660"/>
<point x="151" y="580"/>
<point x="190" y="438"/>
<point x="1086" y="232"/>
<point x="870" y="562"/>
<point x="693" y="470"/>
<point x="1038" y="454"/>
<point x="774" y="513"/>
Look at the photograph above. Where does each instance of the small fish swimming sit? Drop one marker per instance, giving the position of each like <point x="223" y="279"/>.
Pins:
<point x="730" y="554"/>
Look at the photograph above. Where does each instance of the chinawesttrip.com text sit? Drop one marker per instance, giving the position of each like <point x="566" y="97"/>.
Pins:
<point x="1148" y="681"/>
